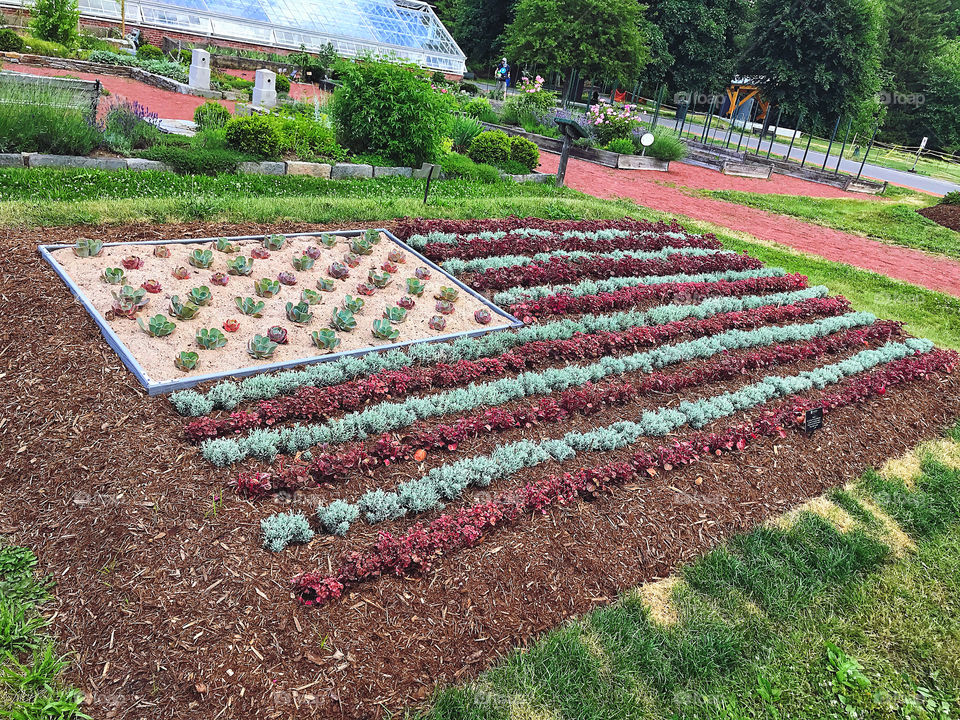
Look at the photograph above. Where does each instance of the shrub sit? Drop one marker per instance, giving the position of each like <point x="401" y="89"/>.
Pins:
<point x="667" y="146"/>
<point x="254" y="135"/>
<point x="609" y="121"/>
<point x="491" y="147"/>
<point x="10" y="41"/>
<point x="457" y="165"/>
<point x="469" y="88"/>
<point x="283" y="84"/>
<point x="951" y="198"/>
<point x="150" y="52"/>
<point x="285" y="529"/>
<point x="127" y="126"/>
<point x="204" y="154"/>
<point x="390" y="110"/>
<point x="620" y="145"/>
<point x="524" y="152"/>
<point x="55" y="20"/>
<point x="307" y="138"/>
<point x="211" y="115"/>
<point x="480" y="109"/>
<point x="462" y="131"/>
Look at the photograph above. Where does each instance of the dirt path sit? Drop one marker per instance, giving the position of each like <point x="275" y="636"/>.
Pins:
<point x="664" y="192"/>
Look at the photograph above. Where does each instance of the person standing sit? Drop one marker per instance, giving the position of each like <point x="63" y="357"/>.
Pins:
<point x="502" y="75"/>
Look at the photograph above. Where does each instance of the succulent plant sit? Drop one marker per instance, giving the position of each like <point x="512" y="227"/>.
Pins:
<point x="415" y="286"/>
<point x="181" y="273"/>
<point x="266" y="288"/>
<point x="395" y="314"/>
<point x="211" y="338"/>
<point x="113" y="276"/>
<point x="343" y="320"/>
<point x="240" y="265"/>
<point x="200" y="295"/>
<point x="437" y="322"/>
<point x="372" y="236"/>
<point x="186" y="360"/>
<point x="183" y="310"/>
<point x="447" y="293"/>
<point x="311" y="297"/>
<point x="422" y="273"/>
<point x="277" y="334"/>
<point x="397" y="256"/>
<point x="406" y="302"/>
<point x="360" y="246"/>
<point x="338" y="271"/>
<point x="219" y="278"/>
<point x="274" y="242"/>
<point x="325" y="339"/>
<point x="287" y="278"/>
<point x="200" y="258"/>
<point x="249" y="306"/>
<point x="325" y="284"/>
<point x="161" y="251"/>
<point x="353" y="304"/>
<point x="328" y="240"/>
<point x="157" y="326"/>
<point x="351" y="259"/>
<point x="445" y="307"/>
<point x="302" y="263"/>
<point x="87" y="247"/>
<point x="129" y="301"/>
<point x="380" y="280"/>
<point x="384" y="330"/>
<point x="152" y="286"/>
<point x="314" y="252"/>
<point x="261" y="347"/>
<point x="483" y="316"/>
<point x="299" y="313"/>
<point x="389" y="267"/>
<point x="259" y="253"/>
<point x="231" y="324"/>
<point x="132" y="262"/>
<point x="225" y="246"/>
<point x="366" y="289"/>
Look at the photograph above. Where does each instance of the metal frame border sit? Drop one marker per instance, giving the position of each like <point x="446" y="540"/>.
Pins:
<point x="166" y="386"/>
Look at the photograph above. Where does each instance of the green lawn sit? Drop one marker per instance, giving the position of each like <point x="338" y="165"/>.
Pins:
<point x="893" y="221"/>
<point x="804" y="621"/>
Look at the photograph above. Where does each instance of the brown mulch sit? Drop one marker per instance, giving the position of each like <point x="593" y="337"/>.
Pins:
<point x="943" y="214"/>
<point x="174" y="611"/>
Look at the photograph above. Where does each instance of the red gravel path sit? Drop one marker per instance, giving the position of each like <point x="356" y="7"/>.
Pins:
<point x="650" y="189"/>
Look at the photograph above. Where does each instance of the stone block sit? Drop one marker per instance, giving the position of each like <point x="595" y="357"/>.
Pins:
<point x="262" y="168"/>
<point x="200" y="69"/>
<point x="392" y="171"/>
<point x="76" y="161"/>
<point x="11" y="160"/>
<point x="141" y="165"/>
<point x="265" y="88"/>
<point x="425" y="170"/>
<point x="320" y="170"/>
<point x="346" y="171"/>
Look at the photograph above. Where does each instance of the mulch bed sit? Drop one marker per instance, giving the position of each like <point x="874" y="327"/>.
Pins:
<point x="173" y="610"/>
<point x="946" y="215"/>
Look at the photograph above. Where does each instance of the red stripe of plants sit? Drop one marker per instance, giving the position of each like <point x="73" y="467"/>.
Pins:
<point x="411" y="553"/>
<point x="472" y="248"/>
<point x="561" y="270"/>
<point x="316" y="403"/>
<point x="588" y="400"/>
<point x="418" y="226"/>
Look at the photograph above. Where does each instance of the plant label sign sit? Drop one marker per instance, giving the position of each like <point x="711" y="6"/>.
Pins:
<point x="813" y="420"/>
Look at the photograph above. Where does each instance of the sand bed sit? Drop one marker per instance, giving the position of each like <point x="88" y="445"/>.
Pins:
<point x="155" y="355"/>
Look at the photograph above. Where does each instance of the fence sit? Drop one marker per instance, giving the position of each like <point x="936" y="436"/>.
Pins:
<point x="66" y="93"/>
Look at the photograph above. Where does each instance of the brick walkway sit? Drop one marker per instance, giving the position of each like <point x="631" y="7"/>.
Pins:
<point x="664" y="192"/>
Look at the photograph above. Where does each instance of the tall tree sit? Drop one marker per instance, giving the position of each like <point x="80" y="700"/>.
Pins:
<point x="704" y="40"/>
<point x="477" y="25"/>
<point x="819" y="56"/>
<point x="601" y="38"/>
<point x="940" y="113"/>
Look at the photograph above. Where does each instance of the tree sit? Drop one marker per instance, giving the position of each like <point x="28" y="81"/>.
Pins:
<point x="477" y="25"/>
<point x="818" y="56"/>
<point x="55" y="20"/>
<point x="940" y="113"/>
<point x="600" y="38"/>
<point x="704" y="39"/>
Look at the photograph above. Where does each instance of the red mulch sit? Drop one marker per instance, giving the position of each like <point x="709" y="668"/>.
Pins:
<point x="174" y="611"/>
<point x="946" y="215"/>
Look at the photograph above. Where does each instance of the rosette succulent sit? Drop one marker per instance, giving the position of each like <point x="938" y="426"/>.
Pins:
<point x="200" y="258"/>
<point x="249" y="306"/>
<point x="113" y="276"/>
<point x="277" y="334"/>
<point x="287" y="278"/>
<point x="311" y="297"/>
<point x="361" y="246"/>
<point x="152" y="286"/>
<point x="261" y="347"/>
<point x="343" y="320"/>
<point x="302" y="263"/>
<point x="314" y="252"/>
<point x="384" y="330"/>
<point x="157" y="326"/>
<point x="299" y="313"/>
<point x="482" y="316"/>
<point x="397" y="256"/>
<point x="407" y="303"/>
<point x="266" y="288"/>
<point x="225" y="246"/>
<point x="132" y="262"/>
<point x="274" y="242"/>
<point x="181" y="273"/>
<point x="183" y="310"/>
<point x="259" y="253"/>
<point x="200" y="295"/>
<point x="353" y="304"/>
<point x="219" y="278"/>
<point x="240" y="265"/>
<point x="328" y="240"/>
<point x="325" y="285"/>
<point x="445" y="307"/>
<point x="231" y="325"/>
<point x="325" y="339"/>
<point x="437" y="322"/>
<point x="415" y="286"/>
<point x="129" y="301"/>
<point x="161" y="251"/>
<point x="338" y="271"/>
<point x="389" y="267"/>
<point x="380" y="280"/>
<point x="210" y="338"/>
<point x="372" y="236"/>
<point x="447" y="293"/>
<point x="351" y="259"/>
<point x="395" y="314"/>
<point x="87" y="247"/>
<point x="422" y="273"/>
<point x="366" y="289"/>
<point x="186" y="360"/>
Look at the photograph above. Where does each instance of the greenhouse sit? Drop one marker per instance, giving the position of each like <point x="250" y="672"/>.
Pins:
<point x="407" y="29"/>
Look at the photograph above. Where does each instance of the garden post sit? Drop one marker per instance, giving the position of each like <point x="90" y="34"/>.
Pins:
<point x="833" y="136"/>
<point x="869" y="146"/>
<point x="776" y="126"/>
<point x="843" y="147"/>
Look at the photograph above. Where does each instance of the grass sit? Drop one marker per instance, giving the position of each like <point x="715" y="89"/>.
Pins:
<point x="803" y="618"/>
<point x="30" y="667"/>
<point x="895" y="221"/>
